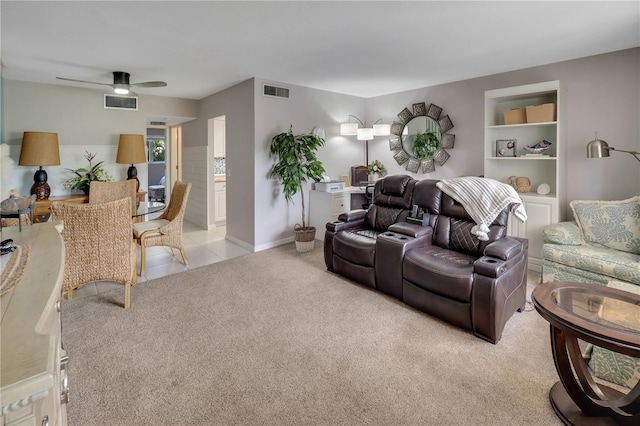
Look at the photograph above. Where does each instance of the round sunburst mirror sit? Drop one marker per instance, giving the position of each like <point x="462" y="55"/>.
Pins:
<point x="420" y="138"/>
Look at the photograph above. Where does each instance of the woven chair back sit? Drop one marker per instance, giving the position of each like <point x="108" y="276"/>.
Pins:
<point x="97" y="239"/>
<point x="178" y="202"/>
<point x="102" y="192"/>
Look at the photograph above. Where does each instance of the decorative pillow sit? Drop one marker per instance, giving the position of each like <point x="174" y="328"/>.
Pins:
<point x="613" y="224"/>
<point x="566" y="233"/>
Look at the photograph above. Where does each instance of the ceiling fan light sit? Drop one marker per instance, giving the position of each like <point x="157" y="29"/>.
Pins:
<point x="121" y="90"/>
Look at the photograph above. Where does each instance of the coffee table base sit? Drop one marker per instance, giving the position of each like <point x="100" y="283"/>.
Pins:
<point x="570" y="413"/>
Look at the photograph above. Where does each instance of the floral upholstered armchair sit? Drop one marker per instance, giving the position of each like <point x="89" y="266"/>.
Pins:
<point x="601" y="246"/>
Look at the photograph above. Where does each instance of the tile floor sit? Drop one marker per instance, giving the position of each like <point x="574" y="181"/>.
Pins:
<point x="203" y="248"/>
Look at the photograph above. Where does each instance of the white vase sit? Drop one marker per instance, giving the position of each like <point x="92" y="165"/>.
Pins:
<point x="374" y="176"/>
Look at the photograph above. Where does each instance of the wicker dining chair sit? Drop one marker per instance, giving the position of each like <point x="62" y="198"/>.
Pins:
<point x="101" y="192"/>
<point x="166" y="230"/>
<point x="97" y="244"/>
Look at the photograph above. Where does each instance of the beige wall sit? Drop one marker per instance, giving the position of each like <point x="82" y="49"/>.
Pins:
<point x="82" y="123"/>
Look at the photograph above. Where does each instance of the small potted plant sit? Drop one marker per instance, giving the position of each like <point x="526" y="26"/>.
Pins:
<point x="376" y="169"/>
<point x="297" y="163"/>
<point x="426" y="144"/>
<point x="84" y="177"/>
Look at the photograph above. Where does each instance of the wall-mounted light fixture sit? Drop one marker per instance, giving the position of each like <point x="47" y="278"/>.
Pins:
<point x="598" y="148"/>
<point x="364" y="133"/>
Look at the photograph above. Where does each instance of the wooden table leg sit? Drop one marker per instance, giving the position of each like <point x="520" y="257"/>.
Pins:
<point x="577" y="399"/>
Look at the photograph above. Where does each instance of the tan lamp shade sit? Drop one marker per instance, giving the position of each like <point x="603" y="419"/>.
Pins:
<point x="131" y="149"/>
<point x="39" y="149"/>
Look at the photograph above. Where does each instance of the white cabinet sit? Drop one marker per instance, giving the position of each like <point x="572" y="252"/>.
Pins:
<point x="325" y="207"/>
<point x="542" y="210"/>
<point x="219" y="138"/>
<point x="220" y="201"/>
<point x="33" y="374"/>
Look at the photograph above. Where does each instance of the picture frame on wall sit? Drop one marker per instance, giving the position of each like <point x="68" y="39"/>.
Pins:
<point x="506" y="148"/>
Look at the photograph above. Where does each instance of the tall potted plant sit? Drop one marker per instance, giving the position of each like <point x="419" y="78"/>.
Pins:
<point x="296" y="163"/>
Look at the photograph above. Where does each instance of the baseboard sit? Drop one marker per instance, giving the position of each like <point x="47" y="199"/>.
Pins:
<point x="276" y="243"/>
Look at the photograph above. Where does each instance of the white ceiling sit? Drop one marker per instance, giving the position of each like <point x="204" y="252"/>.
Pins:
<point x="361" y="48"/>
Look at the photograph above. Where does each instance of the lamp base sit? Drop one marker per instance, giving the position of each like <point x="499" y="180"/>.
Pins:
<point x="132" y="173"/>
<point x="40" y="186"/>
<point x="42" y="190"/>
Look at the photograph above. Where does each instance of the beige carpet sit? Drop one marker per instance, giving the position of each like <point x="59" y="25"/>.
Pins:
<point x="272" y="338"/>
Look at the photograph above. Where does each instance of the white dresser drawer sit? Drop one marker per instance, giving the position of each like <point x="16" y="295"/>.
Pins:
<point x="340" y="203"/>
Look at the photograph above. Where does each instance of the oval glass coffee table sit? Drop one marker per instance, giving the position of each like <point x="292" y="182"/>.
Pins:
<point x="603" y="316"/>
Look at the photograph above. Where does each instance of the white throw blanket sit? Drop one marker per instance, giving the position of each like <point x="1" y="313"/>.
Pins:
<point x="483" y="199"/>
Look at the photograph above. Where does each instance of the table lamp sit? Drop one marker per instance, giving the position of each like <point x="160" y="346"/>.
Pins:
<point x="131" y="151"/>
<point x="40" y="149"/>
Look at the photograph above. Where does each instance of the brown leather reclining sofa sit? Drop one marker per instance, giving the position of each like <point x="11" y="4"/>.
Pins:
<point x="436" y="266"/>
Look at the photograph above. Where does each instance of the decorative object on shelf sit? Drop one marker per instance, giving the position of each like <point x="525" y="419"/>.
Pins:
<point x="131" y="151"/>
<point x="521" y="184"/>
<point x="543" y="189"/>
<point x="598" y="148"/>
<point x="419" y="138"/>
<point x="345" y="179"/>
<point x="40" y="149"/>
<point x="364" y="133"/>
<point x="538" y="148"/>
<point x="506" y="148"/>
<point x="84" y="177"/>
<point x="376" y="170"/>
<point x="296" y="163"/>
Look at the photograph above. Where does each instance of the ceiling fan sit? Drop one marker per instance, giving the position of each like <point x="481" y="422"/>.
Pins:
<point x="121" y="84"/>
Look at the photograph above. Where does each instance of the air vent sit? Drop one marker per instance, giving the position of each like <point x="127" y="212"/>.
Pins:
<point x="157" y="123"/>
<point x="121" y="102"/>
<point x="276" y="92"/>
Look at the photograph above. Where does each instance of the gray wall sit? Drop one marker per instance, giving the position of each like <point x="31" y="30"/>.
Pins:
<point x="602" y="93"/>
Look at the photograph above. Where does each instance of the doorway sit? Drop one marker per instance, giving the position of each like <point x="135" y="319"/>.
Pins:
<point x="164" y="156"/>
<point x="216" y="130"/>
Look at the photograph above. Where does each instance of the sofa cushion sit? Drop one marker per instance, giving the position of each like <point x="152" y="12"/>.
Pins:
<point x="563" y="233"/>
<point x="444" y="272"/>
<point x="613" y="224"/>
<point x="617" y="265"/>
<point x="356" y="247"/>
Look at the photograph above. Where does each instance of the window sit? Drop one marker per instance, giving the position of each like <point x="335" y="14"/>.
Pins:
<point x="156" y="148"/>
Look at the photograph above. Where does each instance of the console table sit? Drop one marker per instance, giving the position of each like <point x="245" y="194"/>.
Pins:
<point x="42" y="211"/>
<point x="33" y="377"/>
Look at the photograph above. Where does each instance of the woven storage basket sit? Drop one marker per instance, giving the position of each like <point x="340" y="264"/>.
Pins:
<point x="305" y="238"/>
<point x="521" y="184"/>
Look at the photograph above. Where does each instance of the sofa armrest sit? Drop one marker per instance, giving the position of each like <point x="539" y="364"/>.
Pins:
<point x="504" y="248"/>
<point x="353" y="216"/>
<point x="566" y="233"/>
<point x="348" y="220"/>
<point x="410" y="229"/>
<point x="498" y="256"/>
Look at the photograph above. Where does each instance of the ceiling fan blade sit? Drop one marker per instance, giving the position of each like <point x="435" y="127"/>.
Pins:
<point x="84" y="81"/>
<point x="149" y="84"/>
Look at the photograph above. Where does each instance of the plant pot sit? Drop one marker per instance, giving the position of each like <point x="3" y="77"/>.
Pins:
<point x="305" y="238"/>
